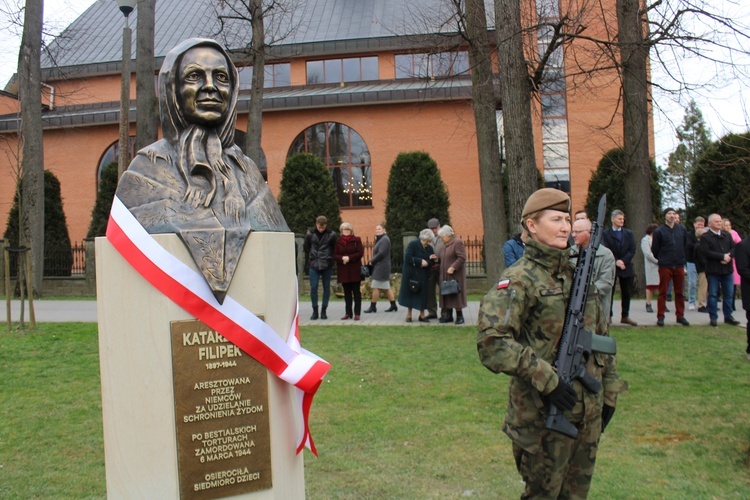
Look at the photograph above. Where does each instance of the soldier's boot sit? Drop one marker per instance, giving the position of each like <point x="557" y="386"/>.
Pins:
<point x="323" y="314"/>
<point x="315" y="313"/>
<point x="459" y="317"/>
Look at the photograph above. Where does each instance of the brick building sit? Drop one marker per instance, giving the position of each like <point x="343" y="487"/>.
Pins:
<point x="357" y="82"/>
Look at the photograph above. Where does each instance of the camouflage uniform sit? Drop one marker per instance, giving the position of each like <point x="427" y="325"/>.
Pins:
<point x="519" y="326"/>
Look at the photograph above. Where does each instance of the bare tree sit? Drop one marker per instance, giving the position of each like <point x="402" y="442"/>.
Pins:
<point x="147" y="106"/>
<point x="254" y="118"/>
<point x="659" y="26"/>
<point x="32" y="153"/>
<point x="635" y="118"/>
<point x="484" y="103"/>
<point x="621" y="46"/>
<point x="516" y="91"/>
<point x="271" y="21"/>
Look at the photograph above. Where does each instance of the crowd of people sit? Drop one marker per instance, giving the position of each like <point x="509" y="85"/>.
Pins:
<point x="693" y="269"/>
<point x="520" y="319"/>
<point x="433" y="273"/>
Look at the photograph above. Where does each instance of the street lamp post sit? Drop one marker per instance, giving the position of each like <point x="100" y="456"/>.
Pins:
<point x="126" y="7"/>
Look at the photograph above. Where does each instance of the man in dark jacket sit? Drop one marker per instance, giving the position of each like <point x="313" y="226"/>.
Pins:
<point x="319" y="243"/>
<point x="742" y="259"/>
<point x="669" y="246"/>
<point x="622" y="244"/>
<point x="717" y="248"/>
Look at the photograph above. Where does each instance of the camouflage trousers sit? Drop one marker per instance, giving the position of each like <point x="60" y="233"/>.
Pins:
<point x="563" y="467"/>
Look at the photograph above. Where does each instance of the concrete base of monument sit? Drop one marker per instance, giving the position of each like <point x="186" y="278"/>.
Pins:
<point x="185" y="413"/>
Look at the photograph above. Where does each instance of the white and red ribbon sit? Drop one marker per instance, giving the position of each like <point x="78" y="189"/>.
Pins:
<point x="188" y="289"/>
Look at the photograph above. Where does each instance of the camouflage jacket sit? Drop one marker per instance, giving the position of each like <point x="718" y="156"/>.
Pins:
<point x="520" y="323"/>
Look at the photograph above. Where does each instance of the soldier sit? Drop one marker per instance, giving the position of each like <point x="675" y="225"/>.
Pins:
<point x="520" y="323"/>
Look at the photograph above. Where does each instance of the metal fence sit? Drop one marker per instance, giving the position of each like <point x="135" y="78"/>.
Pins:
<point x="58" y="261"/>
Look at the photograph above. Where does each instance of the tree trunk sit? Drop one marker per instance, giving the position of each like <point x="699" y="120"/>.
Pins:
<point x="31" y="231"/>
<point x="254" y="125"/>
<point x="515" y="91"/>
<point x="147" y="106"/>
<point x="485" y="105"/>
<point x="635" y="90"/>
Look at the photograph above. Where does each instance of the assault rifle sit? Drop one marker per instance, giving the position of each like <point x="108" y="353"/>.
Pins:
<point x="577" y="343"/>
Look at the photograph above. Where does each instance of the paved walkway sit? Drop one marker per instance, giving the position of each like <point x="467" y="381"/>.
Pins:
<point x="61" y="311"/>
<point x="85" y="311"/>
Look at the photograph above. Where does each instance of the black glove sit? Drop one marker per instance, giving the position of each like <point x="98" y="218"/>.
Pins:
<point x="563" y="396"/>
<point x="607" y="413"/>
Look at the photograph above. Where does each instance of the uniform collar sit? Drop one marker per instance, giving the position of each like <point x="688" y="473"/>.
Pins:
<point x="553" y="259"/>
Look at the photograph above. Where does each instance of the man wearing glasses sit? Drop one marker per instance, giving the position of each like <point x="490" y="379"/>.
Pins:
<point x="604" y="264"/>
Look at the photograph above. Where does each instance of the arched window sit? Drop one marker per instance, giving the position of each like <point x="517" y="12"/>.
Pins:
<point x="112" y="154"/>
<point x="345" y="154"/>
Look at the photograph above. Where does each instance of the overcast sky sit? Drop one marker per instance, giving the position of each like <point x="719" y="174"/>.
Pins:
<point x="724" y="98"/>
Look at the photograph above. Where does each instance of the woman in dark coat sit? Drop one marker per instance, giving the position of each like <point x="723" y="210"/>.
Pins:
<point x="417" y="260"/>
<point x="381" y="270"/>
<point x="348" y="254"/>
<point x="452" y="260"/>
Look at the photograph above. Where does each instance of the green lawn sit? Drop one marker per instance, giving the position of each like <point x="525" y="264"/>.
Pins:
<point x="411" y="413"/>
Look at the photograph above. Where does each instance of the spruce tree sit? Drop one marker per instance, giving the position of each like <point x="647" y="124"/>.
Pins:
<point x="416" y="194"/>
<point x="58" y="255"/>
<point x="693" y="140"/>
<point x="103" y="205"/>
<point x="307" y="191"/>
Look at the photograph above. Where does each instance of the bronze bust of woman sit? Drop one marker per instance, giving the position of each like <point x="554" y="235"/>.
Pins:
<point x="195" y="181"/>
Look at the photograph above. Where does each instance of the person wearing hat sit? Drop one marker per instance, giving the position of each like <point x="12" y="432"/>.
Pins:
<point x="434" y="281"/>
<point x="669" y="245"/>
<point x="622" y="244"/>
<point x="519" y="324"/>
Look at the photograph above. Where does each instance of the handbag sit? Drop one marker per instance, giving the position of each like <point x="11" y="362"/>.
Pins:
<point x="414" y="286"/>
<point x="449" y="287"/>
<point x="364" y="271"/>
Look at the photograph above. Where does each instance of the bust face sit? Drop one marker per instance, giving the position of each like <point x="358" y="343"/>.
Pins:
<point x="205" y="87"/>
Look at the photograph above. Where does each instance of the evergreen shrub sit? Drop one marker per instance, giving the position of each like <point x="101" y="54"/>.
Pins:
<point x="416" y="194"/>
<point x="307" y="191"/>
<point x="58" y="256"/>
<point x="719" y="182"/>
<point x="103" y="205"/>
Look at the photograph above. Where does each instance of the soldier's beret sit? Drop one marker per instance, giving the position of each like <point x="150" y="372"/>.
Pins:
<point x="546" y="199"/>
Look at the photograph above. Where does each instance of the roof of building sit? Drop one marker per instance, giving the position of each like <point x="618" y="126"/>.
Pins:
<point x="95" y="38"/>
<point x="92" y="44"/>
<point x="360" y="93"/>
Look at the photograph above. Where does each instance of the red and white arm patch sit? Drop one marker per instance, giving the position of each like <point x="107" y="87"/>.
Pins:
<point x="503" y="284"/>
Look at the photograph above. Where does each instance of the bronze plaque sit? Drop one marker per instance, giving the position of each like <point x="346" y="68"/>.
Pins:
<point x="221" y="410"/>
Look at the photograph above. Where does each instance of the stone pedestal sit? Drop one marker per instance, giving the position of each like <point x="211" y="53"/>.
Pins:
<point x="138" y="393"/>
